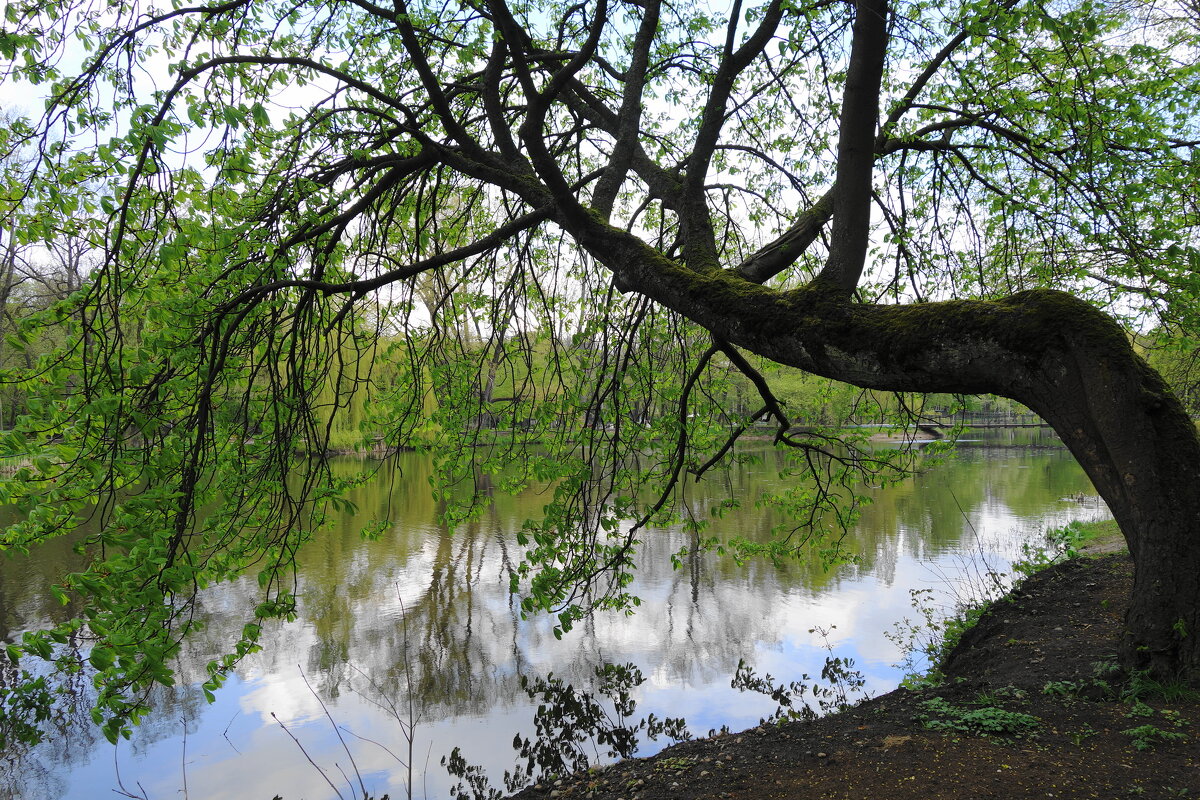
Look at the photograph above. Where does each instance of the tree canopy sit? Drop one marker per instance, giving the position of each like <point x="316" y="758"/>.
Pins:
<point x="556" y="235"/>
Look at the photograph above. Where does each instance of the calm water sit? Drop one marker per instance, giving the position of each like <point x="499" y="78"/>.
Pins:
<point x="439" y="604"/>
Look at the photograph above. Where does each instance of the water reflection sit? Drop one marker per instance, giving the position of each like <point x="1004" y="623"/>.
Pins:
<point x="463" y="647"/>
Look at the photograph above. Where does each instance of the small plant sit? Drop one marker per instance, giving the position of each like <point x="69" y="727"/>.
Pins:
<point x="1061" y="688"/>
<point x="1145" y="737"/>
<point x="1139" y="709"/>
<point x="473" y="781"/>
<point x="1084" y="733"/>
<point x="22" y="710"/>
<point x="785" y="695"/>
<point x="843" y="683"/>
<point x="986" y="721"/>
<point x="1174" y="717"/>
<point x="572" y="728"/>
<point x="927" y="642"/>
<point x="1060" y="544"/>
<point x="1011" y="692"/>
<point x="985" y="698"/>
<point x="957" y="626"/>
<point x="675" y="763"/>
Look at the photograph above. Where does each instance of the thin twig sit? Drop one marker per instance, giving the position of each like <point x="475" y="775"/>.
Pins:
<point x="380" y="745"/>
<point x="307" y="756"/>
<point x="183" y="758"/>
<point x="329" y="716"/>
<point x="225" y="733"/>
<point x="120" y="783"/>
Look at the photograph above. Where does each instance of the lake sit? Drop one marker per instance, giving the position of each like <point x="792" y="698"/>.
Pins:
<point x="419" y="626"/>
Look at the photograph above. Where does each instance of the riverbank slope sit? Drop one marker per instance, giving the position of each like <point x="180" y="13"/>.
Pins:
<point x="1031" y="708"/>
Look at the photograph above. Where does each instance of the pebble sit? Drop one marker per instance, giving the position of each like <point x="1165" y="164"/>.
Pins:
<point x="822" y="755"/>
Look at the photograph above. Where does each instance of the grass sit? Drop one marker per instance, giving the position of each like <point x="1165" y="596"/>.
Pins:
<point x="1091" y="531"/>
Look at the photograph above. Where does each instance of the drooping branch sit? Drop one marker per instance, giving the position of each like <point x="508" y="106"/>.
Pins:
<point x="358" y="288"/>
<point x="430" y="82"/>
<point x="681" y="440"/>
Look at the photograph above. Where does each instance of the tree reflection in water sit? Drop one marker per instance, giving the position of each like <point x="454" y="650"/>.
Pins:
<point x="576" y="729"/>
<point x="421" y="612"/>
<point x="573" y="730"/>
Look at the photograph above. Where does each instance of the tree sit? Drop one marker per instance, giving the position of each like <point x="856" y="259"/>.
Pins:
<point x="604" y="207"/>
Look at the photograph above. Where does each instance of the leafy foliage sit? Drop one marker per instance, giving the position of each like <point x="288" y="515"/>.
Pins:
<point x="23" y="708"/>
<point x="986" y="720"/>
<point x="1145" y="737"/>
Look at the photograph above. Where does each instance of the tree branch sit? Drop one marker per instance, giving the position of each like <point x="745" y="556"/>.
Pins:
<point x="629" y="121"/>
<point x="856" y="149"/>
<point x="699" y="239"/>
<point x="784" y="251"/>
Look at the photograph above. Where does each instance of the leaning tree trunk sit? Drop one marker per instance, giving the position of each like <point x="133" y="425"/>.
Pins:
<point x="1139" y="447"/>
<point x="1066" y="360"/>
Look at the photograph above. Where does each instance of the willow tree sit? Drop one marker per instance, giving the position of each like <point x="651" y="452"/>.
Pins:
<point x="574" y="223"/>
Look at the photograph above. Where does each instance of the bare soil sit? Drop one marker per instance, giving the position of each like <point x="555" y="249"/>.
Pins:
<point x="1045" y="651"/>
